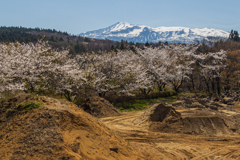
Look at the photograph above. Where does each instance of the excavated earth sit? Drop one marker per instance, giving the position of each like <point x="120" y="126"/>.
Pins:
<point x="57" y="130"/>
<point x="99" y="107"/>
<point x="162" y="118"/>
<point x="186" y="129"/>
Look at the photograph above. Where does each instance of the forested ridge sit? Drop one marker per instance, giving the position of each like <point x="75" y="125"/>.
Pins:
<point x="60" y="40"/>
<point x="21" y="34"/>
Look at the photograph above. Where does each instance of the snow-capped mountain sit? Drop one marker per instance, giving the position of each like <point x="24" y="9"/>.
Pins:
<point x="142" y="33"/>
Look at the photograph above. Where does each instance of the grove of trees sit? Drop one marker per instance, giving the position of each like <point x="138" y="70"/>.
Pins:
<point x="38" y="68"/>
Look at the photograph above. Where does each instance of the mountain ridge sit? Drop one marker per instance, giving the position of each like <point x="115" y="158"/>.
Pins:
<point x="143" y="33"/>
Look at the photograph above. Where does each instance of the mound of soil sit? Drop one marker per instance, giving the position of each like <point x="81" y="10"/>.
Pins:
<point x="99" y="107"/>
<point x="158" y="113"/>
<point x="162" y="118"/>
<point x="193" y="125"/>
<point x="58" y="130"/>
<point x="205" y="125"/>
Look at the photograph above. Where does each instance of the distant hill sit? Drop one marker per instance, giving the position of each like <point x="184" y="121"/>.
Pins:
<point x="143" y="34"/>
<point x="57" y="39"/>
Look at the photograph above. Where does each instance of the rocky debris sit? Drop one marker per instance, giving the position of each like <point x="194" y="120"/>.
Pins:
<point x="203" y="96"/>
<point x="99" y="107"/>
<point x="227" y="100"/>
<point x="223" y="101"/>
<point x="228" y="97"/>
<point x="216" y="99"/>
<point x="203" y="101"/>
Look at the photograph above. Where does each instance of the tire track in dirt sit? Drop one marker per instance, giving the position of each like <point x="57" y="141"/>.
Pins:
<point x="173" y="145"/>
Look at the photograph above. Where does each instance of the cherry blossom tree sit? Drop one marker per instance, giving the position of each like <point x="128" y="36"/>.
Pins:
<point x="109" y="71"/>
<point x="212" y="64"/>
<point x="41" y="69"/>
<point x="168" y="63"/>
<point x="37" y="67"/>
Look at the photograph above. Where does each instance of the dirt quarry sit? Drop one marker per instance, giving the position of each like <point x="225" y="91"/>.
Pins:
<point x="170" y="131"/>
<point x="161" y="118"/>
<point x="57" y="129"/>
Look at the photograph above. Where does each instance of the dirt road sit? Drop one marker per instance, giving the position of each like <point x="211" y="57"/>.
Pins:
<point x="174" y="145"/>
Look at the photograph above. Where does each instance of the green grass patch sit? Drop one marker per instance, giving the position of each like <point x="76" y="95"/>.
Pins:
<point x="167" y="99"/>
<point x="52" y="120"/>
<point x="29" y="106"/>
<point x="181" y="95"/>
<point x="143" y="104"/>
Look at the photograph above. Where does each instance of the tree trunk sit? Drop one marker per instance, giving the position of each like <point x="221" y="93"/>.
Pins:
<point x="218" y="85"/>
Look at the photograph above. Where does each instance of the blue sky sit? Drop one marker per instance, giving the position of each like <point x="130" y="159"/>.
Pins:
<point x="77" y="16"/>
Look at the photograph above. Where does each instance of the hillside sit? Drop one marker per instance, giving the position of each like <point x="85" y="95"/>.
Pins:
<point x="57" y="39"/>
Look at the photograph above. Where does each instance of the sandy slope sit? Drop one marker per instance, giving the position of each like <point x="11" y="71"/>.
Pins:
<point x="58" y="130"/>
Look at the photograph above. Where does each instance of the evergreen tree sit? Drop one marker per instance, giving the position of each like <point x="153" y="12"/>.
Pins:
<point x="122" y="46"/>
<point x="147" y="44"/>
<point x="112" y="48"/>
<point x="77" y="48"/>
<point x="234" y="36"/>
<point x="231" y="35"/>
<point x="61" y="39"/>
<point x="87" y="39"/>
<point x="52" y="38"/>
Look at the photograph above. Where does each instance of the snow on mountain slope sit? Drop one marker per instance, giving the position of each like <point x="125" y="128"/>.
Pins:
<point x="142" y="33"/>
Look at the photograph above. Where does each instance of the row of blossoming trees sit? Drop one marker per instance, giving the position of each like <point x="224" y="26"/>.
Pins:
<point x="39" y="68"/>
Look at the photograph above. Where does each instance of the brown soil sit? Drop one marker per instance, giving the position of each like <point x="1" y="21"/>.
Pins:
<point x="162" y="118"/>
<point x="61" y="130"/>
<point x="57" y="130"/>
<point x="99" y="107"/>
<point x="197" y="134"/>
<point x="158" y="113"/>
